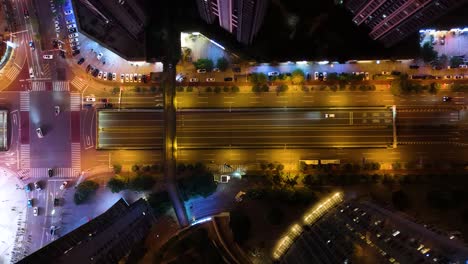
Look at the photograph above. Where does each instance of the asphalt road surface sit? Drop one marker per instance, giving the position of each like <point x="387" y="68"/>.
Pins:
<point x="130" y="129"/>
<point x="284" y="128"/>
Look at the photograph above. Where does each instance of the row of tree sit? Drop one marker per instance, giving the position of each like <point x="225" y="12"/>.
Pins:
<point x="222" y="64"/>
<point x="140" y="182"/>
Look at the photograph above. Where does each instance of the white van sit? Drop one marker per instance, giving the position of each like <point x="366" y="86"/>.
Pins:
<point x="31" y="72"/>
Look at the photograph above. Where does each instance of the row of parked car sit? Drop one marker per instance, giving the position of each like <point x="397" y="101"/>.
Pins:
<point x="112" y="76"/>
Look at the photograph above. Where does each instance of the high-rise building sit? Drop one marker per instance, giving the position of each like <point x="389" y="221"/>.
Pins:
<point x="243" y="18"/>
<point x="392" y="20"/>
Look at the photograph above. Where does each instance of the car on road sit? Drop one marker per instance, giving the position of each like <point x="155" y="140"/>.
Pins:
<point x="27" y="188"/>
<point x="39" y="132"/>
<point x="210" y="79"/>
<point x="68" y="12"/>
<point x="329" y="115"/>
<point x="26" y="13"/>
<point x="201" y="70"/>
<point x="35" y="211"/>
<point x="446" y="98"/>
<point x="193" y="80"/>
<point x="56" y="202"/>
<point x="81" y="60"/>
<point x="273" y="73"/>
<point x="31" y="44"/>
<point x="48" y="57"/>
<point x="99" y="56"/>
<point x="37" y="186"/>
<point x="57" y="110"/>
<point x="50" y="172"/>
<point x="31" y="72"/>
<point x="30" y="203"/>
<point x="64" y="184"/>
<point x="90" y="98"/>
<point x="73" y="35"/>
<point x="104" y="76"/>
<point x="100" y="75"/>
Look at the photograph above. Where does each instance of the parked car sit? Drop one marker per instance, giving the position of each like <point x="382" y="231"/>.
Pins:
<point x="74" y="53"/>
<point x="88" y="68"/>
<point x="30" y="203"/>
<point x="39" y="132"/>
<point x="72" y="30"/>
<point x="68" y="12"/>
<point x="90" y="98"/>
<point x="64" y="184"/>
<point x="26" y="13"/>
<point x="104" y="75"/>
<point x="80" y="61"/>
<point x="201" y="70"/>
<point x="71" y="26"/>
<point x="35" y="211"/>
<point x="27" y="188"/>
<point x="48" y="57"/>
<point x="114" y="76"/>
<point x="73" y="35"/>
<point x="99" y="56"/>
<point x="100" y="75"/>
<point x="127" y="77"/>
<point x="37" y="186"/>
<point x="69" y="22"/>
<point x="273" y="73"/>
<point x="210" y="79"/>
<point x="193" y="80"/>
<point x="50" y="172"/>
<point x="228" y="79"/>
<point x="446" y="98"/>
<point x="122" y="77"/>
<point x="329" y="115"/>
<point x="56" y="202"/>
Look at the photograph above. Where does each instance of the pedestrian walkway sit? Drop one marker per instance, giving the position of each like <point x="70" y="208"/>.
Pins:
<point x="38" y="86"/>
<point x="36" y="173"/>
<point x="79" y="83"/>
<point x="60" y="86"/>
<point x="75" y="102"/>
<point x="12" y="73"/>
<point x="76" y="157"/>
<point x="24" y="101"/>
<point x="25" y="161"/>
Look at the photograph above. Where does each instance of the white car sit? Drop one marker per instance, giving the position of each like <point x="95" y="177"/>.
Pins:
<point x="100" y="75"/>
<point x="104" y="75"/>
<point x="39" y="132"/>
<point x="210" y="79"/>
<point x="127" y="77"/>
<point x="90" y="98"/>
<point x="131" y="77"/>
<point x="201" y="70"/>
<point x="73" y="35"/>
<point x="31" y="73"/>
<point x="71" y="26"/>
<point x="329" y="115"/>
<point x="99" y="56"/>
<point x="47" y="57"/>
<point x="114" y="76"/>
<point x="385" y="73"/>
<point x="193" y="80"/>
<point x="316" y="75"/>
<point x="273" y="73"/>
<point x="74" y="40"/>
<point x="64" y="184"/>
<point x="35" y="211"/>
<point x="68" y="12"/>
<point x="69" y="22"/>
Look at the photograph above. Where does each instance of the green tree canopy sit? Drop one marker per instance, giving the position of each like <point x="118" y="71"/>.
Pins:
<point x="206" y="64"/>
<point x="258" y="78"/>
<point x="159" y="202"/>
<point x="222" y="63"/>
<point x="298" y="76"/>
<point x="240" y="225"/>
<point x="116" y="184"/>
<point x="455" y="61"/>
<point x="197" y="184"/>
<point x="84" y="191"/>
<point x="428" y="53"/>
<point x="142" y="182"/>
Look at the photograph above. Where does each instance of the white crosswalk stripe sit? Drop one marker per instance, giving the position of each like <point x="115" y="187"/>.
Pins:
<point x="38" y="86"/>
<point x="76" y="157"/>
<point x="79" y="83"/>
<point x="25" y="161"/>
<point x="75" y="102"/>
<point x="234" y="167"/>
<point x="12" y="73"/>
<point x="60" y="86"/>
<point x="36" y="173"/>
<point x="24" y="101"/>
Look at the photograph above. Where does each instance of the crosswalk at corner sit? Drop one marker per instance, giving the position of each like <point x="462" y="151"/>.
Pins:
<point x="24" y="101"/>
<point x="38" y="86"/>
<point x="25" y="161"/>
<point x="79" y="83"/>
<point x="75" y="102"/>
<point x="60" y="86"/>
<point x="12" y="73"/>
<point x="36" y="173"/>
<point x="76" y="157"/>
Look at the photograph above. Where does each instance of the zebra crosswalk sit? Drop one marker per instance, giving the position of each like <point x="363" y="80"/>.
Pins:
<point x="38" y="86"/>
<point x="60" y="86"/>
<point x="225" y="169"/>
<point x="24" y="101"/>
<point x="76" y="157"/>
<point x="12" y="73"/>
<point x="25" y="161"/>
<point x="75" y="102"/>
<point x="79" y="83"/>
<point x="36" y="173"/>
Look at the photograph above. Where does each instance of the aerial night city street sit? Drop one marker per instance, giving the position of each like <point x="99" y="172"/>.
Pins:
<point x="234" y="131"/>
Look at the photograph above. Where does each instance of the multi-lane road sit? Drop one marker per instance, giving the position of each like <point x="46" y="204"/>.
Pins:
<point x="280" y="128"/>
